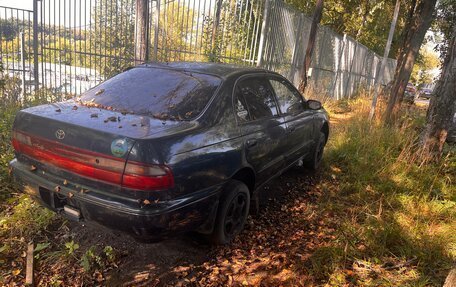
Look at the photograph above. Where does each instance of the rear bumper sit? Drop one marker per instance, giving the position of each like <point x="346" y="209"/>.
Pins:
<point x="153" y="221"/>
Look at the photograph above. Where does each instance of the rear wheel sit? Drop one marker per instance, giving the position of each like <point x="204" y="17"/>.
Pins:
<point x="232" y="212"/>
<point x="315" y="161"/>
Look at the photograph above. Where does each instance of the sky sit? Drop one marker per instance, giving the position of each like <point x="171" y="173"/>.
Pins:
<point x="23" y="4"/>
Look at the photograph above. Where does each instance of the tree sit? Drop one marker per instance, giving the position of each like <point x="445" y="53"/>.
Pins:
<point x="310" y="44"/>
<point x="442" y="105"/>
<point x="111" y="35"/>
<point x="419" y="24"/>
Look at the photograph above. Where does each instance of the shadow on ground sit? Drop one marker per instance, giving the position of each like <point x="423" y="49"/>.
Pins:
<point x="261" y="252"/>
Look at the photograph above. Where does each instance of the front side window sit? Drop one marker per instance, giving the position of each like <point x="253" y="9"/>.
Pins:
<point x="290" y="101"/>
<point x="256" y="95"/>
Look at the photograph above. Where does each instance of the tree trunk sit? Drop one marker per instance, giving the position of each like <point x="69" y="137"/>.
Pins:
<point x="406" y="31"/>
<point x="421" y="22"/>
<point x="142" y="32"/>
<point x="441" y="107"/>
<point x="310" y="45"/>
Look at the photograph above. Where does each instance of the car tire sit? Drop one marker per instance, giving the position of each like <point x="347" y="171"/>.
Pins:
<point x="232" y="212"/>
<point x="315" y="161"/>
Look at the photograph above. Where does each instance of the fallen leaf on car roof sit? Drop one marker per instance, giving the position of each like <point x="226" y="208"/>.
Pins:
<point x="70" y="194"/>
<point x="32" y="168"/>
<point x="94" y="115"/>
<point x="99" y="92"/>
<point x="58" y="110"/>
<point x="57" y="188"/>
<point x="75" y="108"/>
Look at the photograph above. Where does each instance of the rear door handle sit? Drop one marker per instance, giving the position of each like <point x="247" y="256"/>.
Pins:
<point x="251" y="143"/>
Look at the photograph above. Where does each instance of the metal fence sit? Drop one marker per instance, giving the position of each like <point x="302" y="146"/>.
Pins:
<point x="68" y="46"/>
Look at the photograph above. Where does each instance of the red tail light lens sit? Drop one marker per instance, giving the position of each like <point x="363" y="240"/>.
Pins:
<point x="147" y="177"/>
<point x="94" y="165"/>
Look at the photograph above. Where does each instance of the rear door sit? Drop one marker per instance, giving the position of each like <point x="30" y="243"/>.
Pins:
<point x="299" y="119"/>
<point x="263" y="128"/>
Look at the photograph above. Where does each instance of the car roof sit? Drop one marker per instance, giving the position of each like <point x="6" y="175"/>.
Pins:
<point x="218" y="69"/>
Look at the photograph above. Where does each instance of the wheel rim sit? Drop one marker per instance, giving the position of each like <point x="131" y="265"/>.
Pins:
<point x="235" y="215"/>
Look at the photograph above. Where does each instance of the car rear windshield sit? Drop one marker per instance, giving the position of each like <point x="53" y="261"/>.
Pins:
<point x="158" y="92"/>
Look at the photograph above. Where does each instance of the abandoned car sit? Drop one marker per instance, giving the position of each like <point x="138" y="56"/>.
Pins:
<point x="162" y="149"/>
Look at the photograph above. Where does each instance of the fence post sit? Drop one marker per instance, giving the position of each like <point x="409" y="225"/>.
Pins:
<point x="339" y="63"/>
<point x="156" y="27"/>
<point x="294" y="59"/>
<point x="35" y="44"/>
<point x="350" y="71"/>
<point x="21" y="35"/>
<point x="142" y="32"/>
<point x="263" y="33"/>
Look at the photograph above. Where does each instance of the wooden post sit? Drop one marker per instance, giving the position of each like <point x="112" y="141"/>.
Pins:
<point x="316" y="18"/>
<point x="29" y="266"/>
<point x="142" y="32"/>
<point x="451" y="279"/>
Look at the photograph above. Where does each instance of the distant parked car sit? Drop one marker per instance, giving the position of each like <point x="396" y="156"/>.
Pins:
<point x="425" y="93"/>
<point x="410" y="92"/>
<point x="167" y="148"/>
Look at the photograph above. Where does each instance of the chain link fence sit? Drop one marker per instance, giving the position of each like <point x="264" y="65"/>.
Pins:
<point x="69" y="46"/>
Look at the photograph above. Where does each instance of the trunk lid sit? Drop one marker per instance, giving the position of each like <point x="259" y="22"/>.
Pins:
<point x="84" y="144"/>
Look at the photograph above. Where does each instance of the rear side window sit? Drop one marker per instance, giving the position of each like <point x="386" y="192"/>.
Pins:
<point x="255" y="96"/>
<point x="160" y="93"/>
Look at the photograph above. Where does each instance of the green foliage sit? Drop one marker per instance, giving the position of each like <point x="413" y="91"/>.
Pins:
<point x="426" y="61"/>
<point x="232" y="34"/>
<point x="71" y="247"/>
<point x="92" y="260"/>
<point x="444" y="23"/>
<point x="111" y="39"/>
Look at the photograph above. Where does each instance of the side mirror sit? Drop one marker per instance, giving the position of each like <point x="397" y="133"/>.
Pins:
<point x="314" y="105"/>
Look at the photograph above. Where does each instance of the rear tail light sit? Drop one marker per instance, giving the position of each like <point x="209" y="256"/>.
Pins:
<point x="147" y="177"/>
<point x="94" y="165"/>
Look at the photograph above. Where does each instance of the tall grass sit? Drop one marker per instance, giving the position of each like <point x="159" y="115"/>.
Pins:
<point x="392" y="208"/>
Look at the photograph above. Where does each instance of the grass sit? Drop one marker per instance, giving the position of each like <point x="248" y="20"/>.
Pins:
<point x="393" y="210"/>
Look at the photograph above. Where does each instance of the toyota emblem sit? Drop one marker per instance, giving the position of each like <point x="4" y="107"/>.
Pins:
<point x="60" y="134"/>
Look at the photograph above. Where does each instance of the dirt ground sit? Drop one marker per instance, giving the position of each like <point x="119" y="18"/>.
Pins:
<point x="274" y="248"/>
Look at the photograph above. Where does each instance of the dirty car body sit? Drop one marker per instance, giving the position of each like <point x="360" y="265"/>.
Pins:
<point x="150" y="151"/>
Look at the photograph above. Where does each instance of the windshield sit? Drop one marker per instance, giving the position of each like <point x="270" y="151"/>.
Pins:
<point x="157" y="92"/>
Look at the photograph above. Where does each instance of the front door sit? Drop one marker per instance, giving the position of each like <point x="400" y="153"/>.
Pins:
<point x="298" y="118"/>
